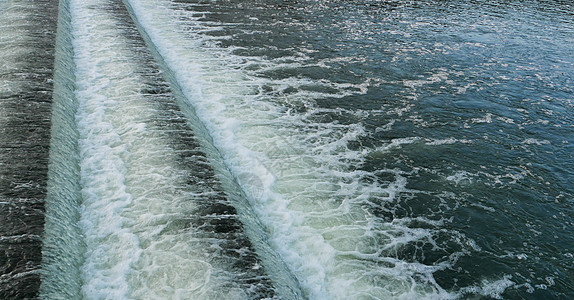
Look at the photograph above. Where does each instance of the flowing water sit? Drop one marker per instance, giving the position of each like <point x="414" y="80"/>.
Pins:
<point x="306" y="149"/>
<point x="27" y="32"/>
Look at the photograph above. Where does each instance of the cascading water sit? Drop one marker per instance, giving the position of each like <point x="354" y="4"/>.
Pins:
<point x="292" y="150"/>
<point x="151" y="220"/>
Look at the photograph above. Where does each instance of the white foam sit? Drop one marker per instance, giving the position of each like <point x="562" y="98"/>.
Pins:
<point x="491" y="288"/>
<point x="537" y="142"/>
<point x="440" y="76"/>
<point x="460" y="176"/>
<point x="111" y="249"/>
<point x="447" y="141"/>
<point x="486" y="119"/>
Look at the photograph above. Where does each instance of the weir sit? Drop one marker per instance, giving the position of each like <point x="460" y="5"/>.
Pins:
<point x="235" y="149"/>
<point x="173" y="172"/>
<point x="310" y="150"/>
<point x="27" y="36"/>
<point x="142" y="210"/>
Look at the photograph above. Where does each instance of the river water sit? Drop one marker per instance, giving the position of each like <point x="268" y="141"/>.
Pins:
<point x="297" y="150"/>
<point x="27" y="32"/>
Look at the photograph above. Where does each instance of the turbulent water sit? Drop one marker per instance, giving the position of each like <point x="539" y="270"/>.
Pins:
<point x="271" y="149"/>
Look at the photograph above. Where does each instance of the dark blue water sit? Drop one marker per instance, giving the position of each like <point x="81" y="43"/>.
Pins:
<point x="290" y="150"/>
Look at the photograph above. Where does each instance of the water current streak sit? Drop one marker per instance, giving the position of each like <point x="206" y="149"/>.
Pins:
<point x="27" y="34"/>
